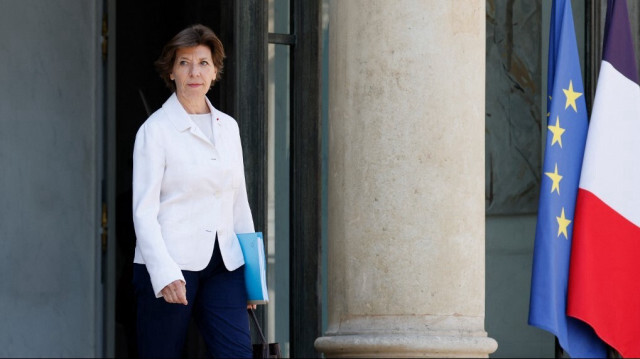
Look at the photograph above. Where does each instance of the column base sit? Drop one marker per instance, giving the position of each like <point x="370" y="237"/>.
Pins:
<point x="405" y="346"/>
<point x="403" y="336"/>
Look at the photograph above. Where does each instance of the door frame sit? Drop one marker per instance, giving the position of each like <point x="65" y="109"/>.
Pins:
<point x="305" y="179"/>
<point x="109" y="182"/>
<point x="305" y="187"/>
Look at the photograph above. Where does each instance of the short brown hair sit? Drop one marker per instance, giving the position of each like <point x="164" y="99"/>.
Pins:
<point x="191" y="36"/>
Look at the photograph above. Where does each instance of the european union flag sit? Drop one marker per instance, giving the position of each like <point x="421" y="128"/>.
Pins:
<point x="566" y="136"/>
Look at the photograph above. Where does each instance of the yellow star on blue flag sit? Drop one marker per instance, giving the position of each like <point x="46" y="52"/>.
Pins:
<point x="571" y="97"/>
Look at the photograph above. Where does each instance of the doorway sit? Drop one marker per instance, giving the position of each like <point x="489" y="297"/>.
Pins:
<point x="141" y="32"/>
<point x="137" y="91"/>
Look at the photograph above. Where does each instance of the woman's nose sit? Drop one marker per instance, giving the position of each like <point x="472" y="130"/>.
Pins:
<point x="194" y="71"/>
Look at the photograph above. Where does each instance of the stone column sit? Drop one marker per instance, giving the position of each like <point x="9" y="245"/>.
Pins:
<point x="406" y="179"/>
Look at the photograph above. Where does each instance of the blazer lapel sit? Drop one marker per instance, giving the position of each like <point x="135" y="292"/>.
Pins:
<point x="180" y="118"/>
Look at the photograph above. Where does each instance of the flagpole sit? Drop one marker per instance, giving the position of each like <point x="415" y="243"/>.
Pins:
<point x="559" y="353"/>
<point x="592" y="50"/>
<point x="612" y="353"/>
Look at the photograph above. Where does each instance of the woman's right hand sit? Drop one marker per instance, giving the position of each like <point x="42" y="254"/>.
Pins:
<point x="175" y="292"/>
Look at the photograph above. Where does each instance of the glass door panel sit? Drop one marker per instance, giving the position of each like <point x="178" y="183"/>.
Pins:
<point x="278" y="178"/>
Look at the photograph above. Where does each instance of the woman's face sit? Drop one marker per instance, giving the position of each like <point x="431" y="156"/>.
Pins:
<point x="193" y="71"/>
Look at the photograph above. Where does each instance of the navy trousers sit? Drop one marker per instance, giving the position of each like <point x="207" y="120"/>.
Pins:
<point x="217" y="300"/>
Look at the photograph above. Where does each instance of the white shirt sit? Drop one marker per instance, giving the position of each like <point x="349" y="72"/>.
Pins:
<point x="185" y="190"/>
<point x="204" y="122"/>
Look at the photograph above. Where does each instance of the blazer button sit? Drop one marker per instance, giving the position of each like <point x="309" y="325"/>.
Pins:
<point x="207" y="230"/>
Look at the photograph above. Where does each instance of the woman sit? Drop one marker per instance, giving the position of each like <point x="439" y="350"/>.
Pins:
<point x="189" y="201"/>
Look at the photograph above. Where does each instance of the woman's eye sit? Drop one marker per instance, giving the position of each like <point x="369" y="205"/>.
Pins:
<point x="183" y="62"/>
<point x="204" y="63"/>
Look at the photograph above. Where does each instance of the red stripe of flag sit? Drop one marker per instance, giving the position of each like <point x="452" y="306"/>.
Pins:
<point x="608" y="255"/>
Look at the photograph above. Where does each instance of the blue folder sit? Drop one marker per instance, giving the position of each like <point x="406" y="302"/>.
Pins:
<point x="255" y="267"/>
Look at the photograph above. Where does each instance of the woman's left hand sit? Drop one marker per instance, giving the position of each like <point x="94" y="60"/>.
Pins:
<point x="252" y="306"/>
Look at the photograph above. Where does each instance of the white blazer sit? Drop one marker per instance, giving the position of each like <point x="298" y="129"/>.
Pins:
<point x="185" y="190"/>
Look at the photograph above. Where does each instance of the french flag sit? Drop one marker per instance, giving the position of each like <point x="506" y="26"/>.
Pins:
<point x="604" y="273"/>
